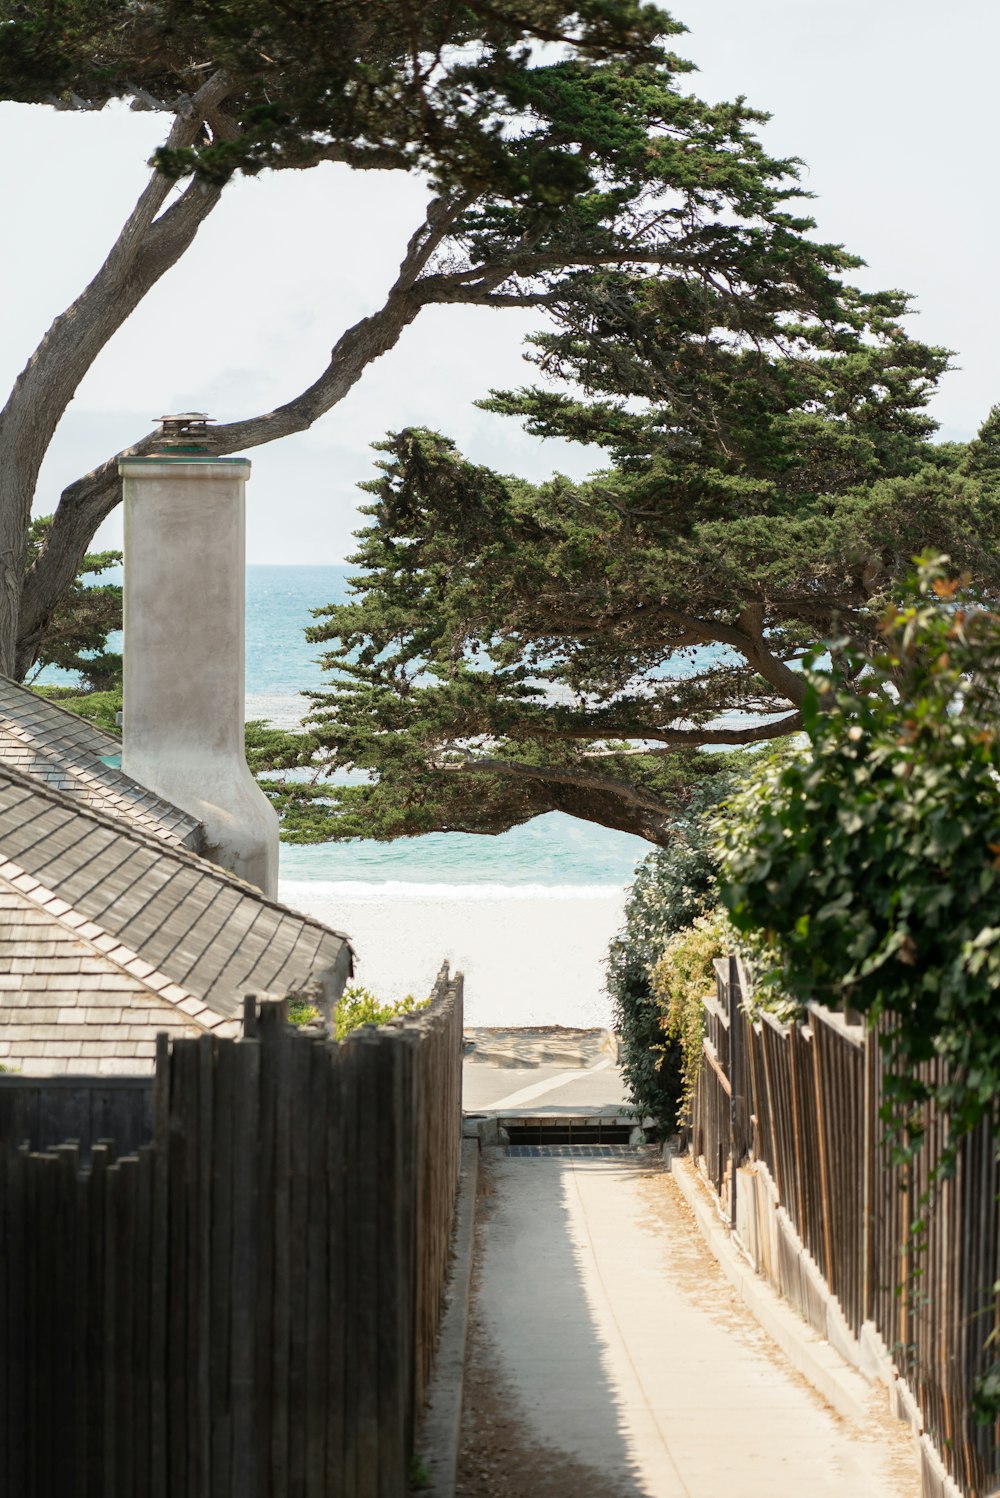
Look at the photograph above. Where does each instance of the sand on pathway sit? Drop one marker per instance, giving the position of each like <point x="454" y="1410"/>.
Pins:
<point x="610" y="1359"/>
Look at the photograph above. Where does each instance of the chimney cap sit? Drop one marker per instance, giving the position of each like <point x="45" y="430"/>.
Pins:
<point x="185" y="429"/>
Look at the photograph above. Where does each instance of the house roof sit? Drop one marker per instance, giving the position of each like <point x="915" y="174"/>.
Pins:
<point x="112" y="926"/>
<point x="61" y="749"/>
<point x="68" y="1005"/>
<point x="138" y="899"/>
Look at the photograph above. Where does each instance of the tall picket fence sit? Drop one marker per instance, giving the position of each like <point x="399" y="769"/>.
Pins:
<point x="805" y="1101"/>
<point x="247" y="1306"/>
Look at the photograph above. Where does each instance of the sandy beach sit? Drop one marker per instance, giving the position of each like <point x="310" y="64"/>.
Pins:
<point x="531" y="955"/>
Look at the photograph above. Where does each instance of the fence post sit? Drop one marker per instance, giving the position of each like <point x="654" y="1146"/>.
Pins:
<point x="869" y="1139"/>
<point x="735" y="1078"/>
<point x="826" y="1203"/>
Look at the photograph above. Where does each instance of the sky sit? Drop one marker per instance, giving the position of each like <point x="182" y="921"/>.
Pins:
<point x="890" y="103"/>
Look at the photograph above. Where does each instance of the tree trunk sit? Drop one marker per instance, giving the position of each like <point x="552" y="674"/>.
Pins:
<point x="87" y="502"/>
<point x="15" y="519"/>
<point x="150" y="242"/>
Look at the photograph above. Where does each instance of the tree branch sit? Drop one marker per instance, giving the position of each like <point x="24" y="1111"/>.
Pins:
<point x="679" y="738"/>
<point x="149" y="243"/>
<point x="84" y="504"/>
<point x="441" y="285"/>
<point x="631" y="795"/>
<point x="146" y="247"/>
<point x="751" y="645"/>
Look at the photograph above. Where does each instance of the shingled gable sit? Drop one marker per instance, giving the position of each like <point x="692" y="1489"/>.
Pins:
<point x="61" y="749"/>
<point x="93" y="905"/>
<point x="68" y="1005"/>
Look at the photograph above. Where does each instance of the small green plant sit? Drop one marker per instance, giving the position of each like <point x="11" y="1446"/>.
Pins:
<point x="671" y="888"/>
<point x="359" y="1006"/>
<point x="302" y="1012"/>
<point x="420" y="1474"/>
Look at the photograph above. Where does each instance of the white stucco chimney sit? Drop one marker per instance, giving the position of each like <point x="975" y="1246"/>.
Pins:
<point x="184" y="645"/>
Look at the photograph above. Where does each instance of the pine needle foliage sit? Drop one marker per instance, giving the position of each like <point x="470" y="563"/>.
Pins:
<point x="379" y="84"/>
<point x="77" y="635"/>
<point x="514" y="648"/>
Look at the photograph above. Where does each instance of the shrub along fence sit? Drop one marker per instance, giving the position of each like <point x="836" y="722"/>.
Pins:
<point x="247" y="1306"/>
<point x="800" y="1105"/>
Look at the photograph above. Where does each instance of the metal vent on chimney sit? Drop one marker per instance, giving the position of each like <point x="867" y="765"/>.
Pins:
<point x="187" y="431"/>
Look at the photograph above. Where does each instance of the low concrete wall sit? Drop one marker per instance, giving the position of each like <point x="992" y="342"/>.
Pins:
<point x="767" y="1236"/>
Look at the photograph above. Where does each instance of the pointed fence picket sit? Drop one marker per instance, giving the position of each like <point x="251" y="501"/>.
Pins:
<point x="815" y="1101"/>
<point x="247" y="1306"/>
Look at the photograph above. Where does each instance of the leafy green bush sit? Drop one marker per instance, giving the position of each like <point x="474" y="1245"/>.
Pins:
<point x="99" y="708"/>
<point x="672" y="888"/>
<point x="302" y="1012"/>
<point x="679" y="981"/>
<point x="872" y="862"/>
<point x="358" y="1006"/>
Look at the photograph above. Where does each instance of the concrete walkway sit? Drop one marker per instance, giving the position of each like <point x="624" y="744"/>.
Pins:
<point x="626" y="1354"/>
<point x="545" y="1070"/>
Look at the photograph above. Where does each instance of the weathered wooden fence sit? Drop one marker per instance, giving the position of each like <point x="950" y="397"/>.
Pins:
<point x="804" y="1101"/>
<point x="247" y="1306"/>
<point x="45" y="1111"/>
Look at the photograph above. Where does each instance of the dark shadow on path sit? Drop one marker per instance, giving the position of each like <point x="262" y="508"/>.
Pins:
<point x="539" y="1389"/>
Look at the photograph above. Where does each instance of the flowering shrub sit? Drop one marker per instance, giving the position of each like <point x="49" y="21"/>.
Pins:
<point x="680" y="980"/>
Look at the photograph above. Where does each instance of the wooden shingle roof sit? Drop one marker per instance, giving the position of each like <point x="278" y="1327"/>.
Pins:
<point x="139" y="899"/>
<point x="63" y="750"/>
<point x="66" y="1005"/>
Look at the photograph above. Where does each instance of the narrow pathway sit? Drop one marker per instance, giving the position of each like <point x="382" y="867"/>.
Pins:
<point x="610" y="1358"/>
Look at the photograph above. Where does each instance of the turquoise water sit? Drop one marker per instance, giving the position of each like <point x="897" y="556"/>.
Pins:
<point x="552" y="852"/>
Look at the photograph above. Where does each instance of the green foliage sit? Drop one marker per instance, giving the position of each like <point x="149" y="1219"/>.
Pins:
<point x="872" y="862"/>
<point x="514" y="648"/>
<point x="302" y="1012"/>
<point x="986" y="1395"/>
<point x="420" y="1474"/>
<point x="271" y="749"/>
<point x="76" y="635"/>
<point x="680" y="980"/>
<point x="673" y="887"/>
<point x="376" y="83"/>
<point x="358" y="1006"/>
<point x="99" y="708"/>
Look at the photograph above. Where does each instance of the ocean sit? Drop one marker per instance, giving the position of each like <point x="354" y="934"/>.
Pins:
<point x="527" y="915"/>
<point x="552" y="853"/>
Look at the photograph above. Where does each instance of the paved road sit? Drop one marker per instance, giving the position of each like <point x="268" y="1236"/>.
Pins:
<point x="630" y="1360"/>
